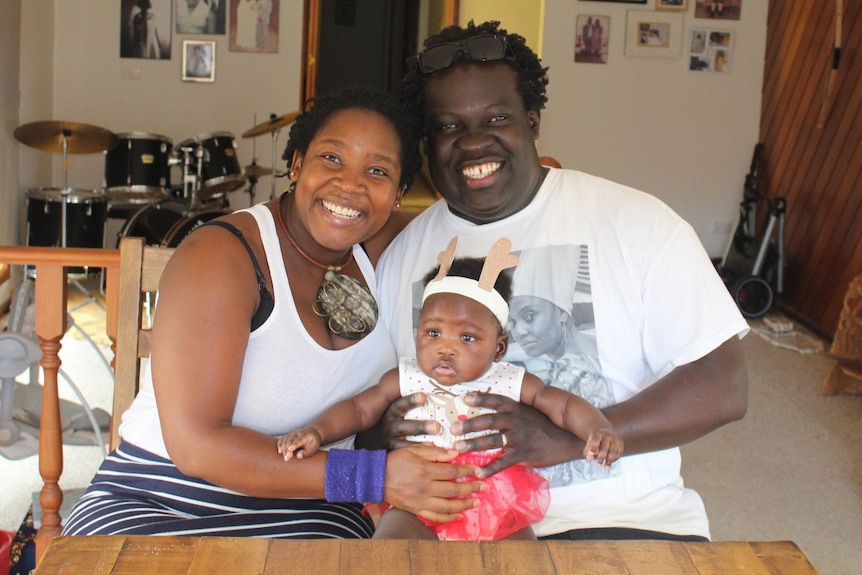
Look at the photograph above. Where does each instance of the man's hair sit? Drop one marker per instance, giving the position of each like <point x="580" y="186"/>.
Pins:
<point x="531" y="76"/>
<point x="472" y="268"/>
<point x="318" y="111"/>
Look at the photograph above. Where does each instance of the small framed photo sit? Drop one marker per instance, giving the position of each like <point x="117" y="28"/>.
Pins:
<point x="672" y="5"/>
<point x="591" y="39"/>
<point x="653" y="34"/>
<point x="718" y="9"/>
<point x="199" y="60"/>
<point x="710" y="50"/>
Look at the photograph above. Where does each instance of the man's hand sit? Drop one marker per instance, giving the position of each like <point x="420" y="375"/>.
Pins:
<point x="395" y="429"/>
<point x="420" y="479"/>
<point x="530" y="438"/>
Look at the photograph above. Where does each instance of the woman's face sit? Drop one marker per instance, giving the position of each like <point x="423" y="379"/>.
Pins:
<point x="347" y="181"/>
<point x="538" y="326"/>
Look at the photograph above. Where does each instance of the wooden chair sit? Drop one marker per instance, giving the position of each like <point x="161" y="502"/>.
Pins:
<point x="141" y="269"/>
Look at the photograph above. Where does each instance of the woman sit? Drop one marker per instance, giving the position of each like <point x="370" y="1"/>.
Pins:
<point x="265" y="319"/>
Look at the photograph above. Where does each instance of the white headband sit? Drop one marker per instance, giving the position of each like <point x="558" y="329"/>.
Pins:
<point x="470" y="288"/>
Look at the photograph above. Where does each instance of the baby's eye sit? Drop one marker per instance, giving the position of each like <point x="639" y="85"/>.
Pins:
<point x="468" y="337"/>
<point x="433" y="333"/>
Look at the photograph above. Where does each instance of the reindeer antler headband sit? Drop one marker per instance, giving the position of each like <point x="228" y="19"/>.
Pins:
<point x="482" y="290"/>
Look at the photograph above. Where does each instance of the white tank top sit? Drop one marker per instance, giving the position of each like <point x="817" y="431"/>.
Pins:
<point x="288" y="378"/>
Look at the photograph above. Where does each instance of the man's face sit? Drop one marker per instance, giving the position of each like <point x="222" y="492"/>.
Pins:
<point x="481" y="149"/>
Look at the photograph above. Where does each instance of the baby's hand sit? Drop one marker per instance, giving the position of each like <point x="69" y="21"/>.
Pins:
<point x="604" y="446"/>
<point x="300" y="443"/>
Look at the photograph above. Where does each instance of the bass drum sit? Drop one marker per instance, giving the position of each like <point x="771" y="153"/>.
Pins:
<point x="167" y="223"/>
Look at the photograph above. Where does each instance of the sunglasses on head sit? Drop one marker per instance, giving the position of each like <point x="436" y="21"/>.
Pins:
<point x="485" y="48"/>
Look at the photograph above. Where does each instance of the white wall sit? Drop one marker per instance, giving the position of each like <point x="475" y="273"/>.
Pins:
<point x="79" y="48"/>
<point x="685" y="137"/>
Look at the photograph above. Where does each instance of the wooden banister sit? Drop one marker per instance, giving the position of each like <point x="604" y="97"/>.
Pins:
<point x="51" y="317"/>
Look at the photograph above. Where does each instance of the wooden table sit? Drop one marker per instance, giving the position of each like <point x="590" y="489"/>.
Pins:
<point x="118" y="555"/>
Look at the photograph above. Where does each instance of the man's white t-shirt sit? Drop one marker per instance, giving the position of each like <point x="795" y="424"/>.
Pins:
<point x="638" y="296"/>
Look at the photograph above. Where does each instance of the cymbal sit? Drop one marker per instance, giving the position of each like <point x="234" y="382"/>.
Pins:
<point x="255" y="171"/>
<point x="80" y="138"/>
<point x="274" y="123"/>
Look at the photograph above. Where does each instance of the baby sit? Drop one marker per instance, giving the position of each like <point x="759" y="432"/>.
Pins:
<point x="460" y="343"/>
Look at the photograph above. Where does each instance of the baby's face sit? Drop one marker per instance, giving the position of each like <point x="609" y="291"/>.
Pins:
<point x="458" y="339"/>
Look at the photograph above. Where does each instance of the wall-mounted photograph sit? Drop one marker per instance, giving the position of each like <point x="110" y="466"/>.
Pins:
<point x="673" y="5"/>
<point x="653" y="34"/>
<point x="145" y="29"/>
<point x="201" y="16"/>
<point x="592" y="34"/>
<point x="718" y="9"/>
<point x="199" y="61"/>
<point x="254" y="26"/>
<point x="710" y="50"/>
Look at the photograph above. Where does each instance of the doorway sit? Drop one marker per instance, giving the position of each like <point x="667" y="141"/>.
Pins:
<point x="367" y="42"/>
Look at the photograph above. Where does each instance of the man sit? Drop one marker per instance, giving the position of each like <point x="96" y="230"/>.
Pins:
<point x="664" y="326"/>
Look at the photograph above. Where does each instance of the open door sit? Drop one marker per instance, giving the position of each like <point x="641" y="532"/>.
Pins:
<point x="366" y="41"/>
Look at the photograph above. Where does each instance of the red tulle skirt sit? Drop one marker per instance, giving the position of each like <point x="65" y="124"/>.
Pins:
<point x="515" y="498"/>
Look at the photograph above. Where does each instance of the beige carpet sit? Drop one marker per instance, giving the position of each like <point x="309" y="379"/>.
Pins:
<point x="791" y="469"/>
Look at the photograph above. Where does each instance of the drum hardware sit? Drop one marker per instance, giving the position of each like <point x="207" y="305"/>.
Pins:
<point x="216" y="166"/>
<point x="272" y="126"/>
<point x="166" y="223"/>
<point x="253" y="172"/>
<point x="68" y="138"/>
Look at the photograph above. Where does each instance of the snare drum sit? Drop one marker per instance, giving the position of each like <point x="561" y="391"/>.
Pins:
<point x="86" y="211"/>
<point x="167" y="222"/>
<point x="137" y="169"/>
<point x="220" y="169"/>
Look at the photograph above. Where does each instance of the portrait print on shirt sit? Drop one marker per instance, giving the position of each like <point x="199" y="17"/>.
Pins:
<point x="552" y="334"/>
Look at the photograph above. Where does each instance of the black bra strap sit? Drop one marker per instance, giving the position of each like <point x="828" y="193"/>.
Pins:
<point x="267" y="302"/>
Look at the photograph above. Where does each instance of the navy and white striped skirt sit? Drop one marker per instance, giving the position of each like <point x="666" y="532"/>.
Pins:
<point x="138" y="493"/>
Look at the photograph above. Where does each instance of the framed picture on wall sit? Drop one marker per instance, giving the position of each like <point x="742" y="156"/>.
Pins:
<point x="145" y="29"/>
<point x="591" y="39"/>
<point x="718" y="9"/>
<point x="254" y="26"/>
<point x="201" y="17"/>
<point x="673" y="5"/>
<point x="710" y="50"/>
<point x="199" y="60"/>
<point x="653" y="34"/>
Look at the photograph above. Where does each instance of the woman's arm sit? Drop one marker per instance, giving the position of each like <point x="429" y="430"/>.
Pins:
<point x="207" y="297"/>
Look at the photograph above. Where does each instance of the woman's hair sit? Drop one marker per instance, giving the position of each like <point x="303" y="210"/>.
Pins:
<point x="472" y="268"/>
<point x="319" y="110"/>
<point x="532" y="77"/>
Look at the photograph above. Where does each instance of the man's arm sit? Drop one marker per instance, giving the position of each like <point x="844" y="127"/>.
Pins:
<point x="691" y="401"/>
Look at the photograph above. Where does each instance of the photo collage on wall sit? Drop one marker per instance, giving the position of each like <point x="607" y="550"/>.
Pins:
<point x="710" y="50"/>
<point x="147" y="28"/>
<point x="664" y="30"/>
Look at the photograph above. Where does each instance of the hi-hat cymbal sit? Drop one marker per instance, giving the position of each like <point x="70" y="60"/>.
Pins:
<point x="80" y="138"/>
<point x="274" y="123"/>
<point x="255" y="171"/>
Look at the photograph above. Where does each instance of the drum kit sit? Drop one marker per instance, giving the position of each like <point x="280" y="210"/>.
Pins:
<point x="137" y="183"/>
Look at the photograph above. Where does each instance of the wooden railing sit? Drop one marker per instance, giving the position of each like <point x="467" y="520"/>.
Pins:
<point x="51" y="324"/>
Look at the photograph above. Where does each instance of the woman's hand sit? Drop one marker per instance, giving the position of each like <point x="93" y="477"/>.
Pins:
<point x="420" y="479"/>
<point x="530" y="438"/>
<point x="395" y="429"/>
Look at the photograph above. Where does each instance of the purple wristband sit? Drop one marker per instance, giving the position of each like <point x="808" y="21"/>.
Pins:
<point x="355" y="475"/>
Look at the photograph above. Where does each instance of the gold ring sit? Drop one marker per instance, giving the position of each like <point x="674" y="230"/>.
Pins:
<point x="505" y="439"/>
